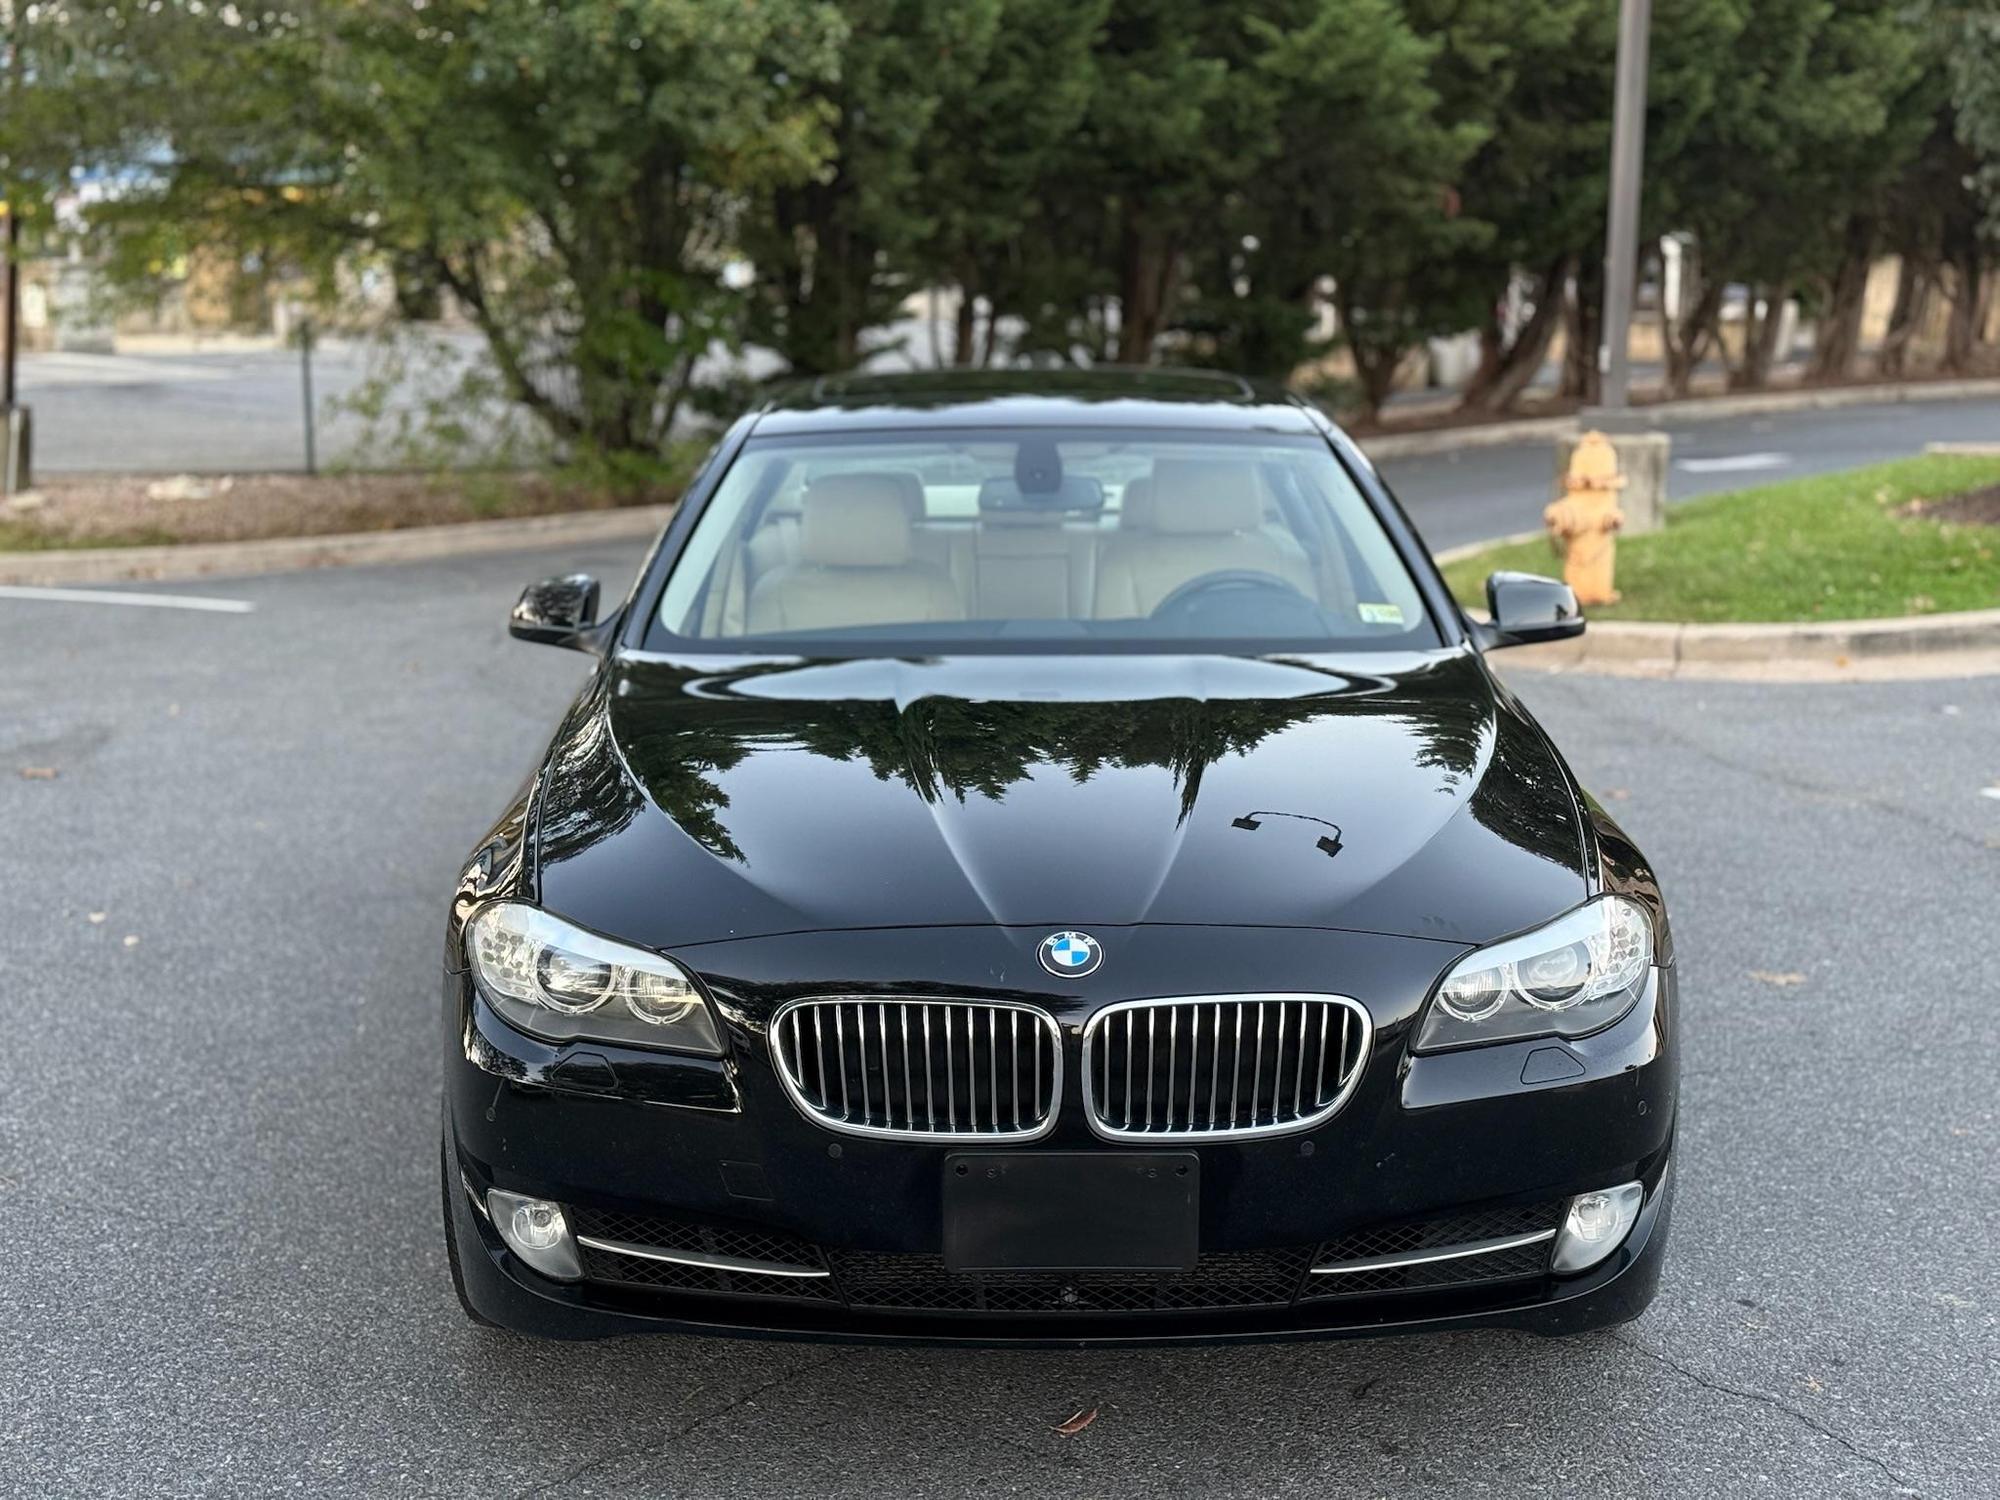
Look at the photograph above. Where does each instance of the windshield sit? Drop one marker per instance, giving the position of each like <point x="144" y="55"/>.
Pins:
<point x="938" y="542"/>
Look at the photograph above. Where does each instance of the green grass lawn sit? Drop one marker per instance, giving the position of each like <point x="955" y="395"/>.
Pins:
<point x="1830" y="548"/>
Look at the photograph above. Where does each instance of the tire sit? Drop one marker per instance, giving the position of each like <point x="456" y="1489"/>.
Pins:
<point x="450" y="1188"/>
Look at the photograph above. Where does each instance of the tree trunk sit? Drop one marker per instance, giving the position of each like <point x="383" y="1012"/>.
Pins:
<point x="1686" y="343"/>
<point x="963" y="325"/>
<point x="990" y="343"/>
<point x="1492" y="356"/>
<point x="1146" y="280"/>
<point x="1584" y="320"/>
<point x="1961" y="336"/>
<point x="1760" y="341"/>
<point x="1913" y="297"/>
<point x="1377" y="371"/>
<point x="1514" y="368"/>
<point x="1374" y="365"/>
<point x="1839" y="338"/>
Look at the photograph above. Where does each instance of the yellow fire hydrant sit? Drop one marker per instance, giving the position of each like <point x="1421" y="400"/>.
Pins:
<point x="1584" y="523"/>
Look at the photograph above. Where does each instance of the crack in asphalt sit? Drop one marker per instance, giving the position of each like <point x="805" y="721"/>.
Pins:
<point x="1765" y="1398"/>
<point x="1788" y="780"/>
<point x="640" y="1450"/>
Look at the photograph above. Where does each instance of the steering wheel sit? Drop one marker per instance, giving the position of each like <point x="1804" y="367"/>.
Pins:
<point x="1226" y="580"/>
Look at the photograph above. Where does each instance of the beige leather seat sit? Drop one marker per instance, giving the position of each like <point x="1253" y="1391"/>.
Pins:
<point x="1135" y="504"/>
<point x="1207" y="517"/>
<point x="855" y="565"/>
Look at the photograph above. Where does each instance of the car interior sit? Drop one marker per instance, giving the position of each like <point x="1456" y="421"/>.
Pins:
<point x="843" y="544"/>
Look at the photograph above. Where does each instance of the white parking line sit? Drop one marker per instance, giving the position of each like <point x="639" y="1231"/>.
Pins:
<point x="142" y="601"/>
<point x="1734" y="463"/>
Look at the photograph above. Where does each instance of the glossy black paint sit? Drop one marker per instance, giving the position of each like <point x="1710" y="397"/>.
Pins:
<point x="557" y="612"/>
<point x="1526" y="608"/>
<point x="787" y="827"/>
<point x="1061" y="791"/>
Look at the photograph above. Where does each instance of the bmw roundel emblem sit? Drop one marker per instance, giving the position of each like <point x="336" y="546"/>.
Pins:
<point x="1071" y="955"/>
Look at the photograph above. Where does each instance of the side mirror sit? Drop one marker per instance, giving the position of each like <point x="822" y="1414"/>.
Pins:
<point x="1526" y="608"/>
<point x="558" y="612"/>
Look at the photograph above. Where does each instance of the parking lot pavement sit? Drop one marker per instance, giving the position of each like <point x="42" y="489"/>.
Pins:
<point x="221" y="903"/>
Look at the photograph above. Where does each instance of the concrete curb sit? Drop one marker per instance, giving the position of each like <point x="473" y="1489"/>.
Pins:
<point x="1451" y="555"/>
<point x="1389" y="445"/>
<point x="349" y="549"/>
<point x="1920" y="645"/>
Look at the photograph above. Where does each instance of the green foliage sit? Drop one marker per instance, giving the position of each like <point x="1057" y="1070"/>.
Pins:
<point x="832" y="250"/>
<point x="1968" y="38"/>
<point x="575" y="175"/>
<point x="1840" y="546"/>
<point x="616" y="190"/>
<point x="1363" y="187"/>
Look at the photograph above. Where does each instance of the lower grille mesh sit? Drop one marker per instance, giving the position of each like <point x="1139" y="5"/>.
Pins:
<point x="920" y="1283"/>
<point x="1432" y="1235"/>
<point x="877" y="1282"/>
<point x="774" y="1246"/>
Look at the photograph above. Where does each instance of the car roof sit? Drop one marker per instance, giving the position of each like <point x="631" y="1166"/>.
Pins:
<point x="1066" y="397"/>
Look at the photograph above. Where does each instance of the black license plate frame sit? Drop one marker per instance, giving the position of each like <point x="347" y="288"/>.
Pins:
<point x="1072" y="1211"/>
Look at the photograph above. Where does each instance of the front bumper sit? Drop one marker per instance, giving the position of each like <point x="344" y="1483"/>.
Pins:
<point x="634" y="1137"/>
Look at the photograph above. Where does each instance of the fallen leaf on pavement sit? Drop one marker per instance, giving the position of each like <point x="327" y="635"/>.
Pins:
<point x="1781" y="980"/>
<point x="97" y="919"/>
<point x="131" y="939"/>
<point x="38" y="773"/>
<point x="1077" y="1423"/>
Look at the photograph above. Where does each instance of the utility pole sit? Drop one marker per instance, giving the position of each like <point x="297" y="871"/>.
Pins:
<point x="8" y="192"/>
<point x="306" y="388"/>
<point x="1628" y="160"/>
<point x="1642" y="455"/>
<point x="9" y="346"/>
<point x="14" y="470"/>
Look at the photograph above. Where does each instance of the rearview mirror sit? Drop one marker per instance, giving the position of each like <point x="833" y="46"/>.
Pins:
<point x="557" y="612"/>
<point x="1526" y="608"/>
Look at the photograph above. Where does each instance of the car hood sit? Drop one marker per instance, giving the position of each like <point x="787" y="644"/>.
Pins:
<point x="695" y="800"/>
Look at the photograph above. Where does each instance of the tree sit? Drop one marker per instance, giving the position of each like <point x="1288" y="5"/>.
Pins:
<point x="1359" y="188"/>
<point x="1969" y="40"/>
<point x="834" y="251"/>
<point x="574" y="175"/>
<point x="1165" y="139"/>
<point x="1537" y="73"/>
<point x="994" y="161"/>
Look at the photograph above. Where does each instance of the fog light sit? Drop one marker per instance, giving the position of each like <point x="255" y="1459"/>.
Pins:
<point x="1596" y="1225"/>
<point x="537" y="1231"/>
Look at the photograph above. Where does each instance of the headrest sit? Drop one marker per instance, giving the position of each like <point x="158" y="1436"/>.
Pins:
<point x="1135" y="505"/>
<point x="856" y="521"/>
<point x="1207" y="496"/>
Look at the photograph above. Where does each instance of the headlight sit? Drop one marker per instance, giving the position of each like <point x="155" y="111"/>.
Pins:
<point x="559" y="982"/>
<point x="1576" y="975"/>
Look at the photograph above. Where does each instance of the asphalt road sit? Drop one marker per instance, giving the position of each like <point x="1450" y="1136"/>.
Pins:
<point x="241" y="410"/>
<point x="220" y="1270"/>
<point x="1479" y="493"/>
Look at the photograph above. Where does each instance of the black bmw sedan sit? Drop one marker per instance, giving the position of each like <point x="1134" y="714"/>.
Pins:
<point x="1043" y="857"/>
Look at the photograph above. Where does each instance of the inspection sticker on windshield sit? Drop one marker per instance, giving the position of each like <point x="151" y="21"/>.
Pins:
<point x="1381" y="614"/>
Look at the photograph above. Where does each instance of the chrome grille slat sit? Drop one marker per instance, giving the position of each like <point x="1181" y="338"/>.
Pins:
<point x="875" y="1091"/>
<point x="1263" y="1045"/>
